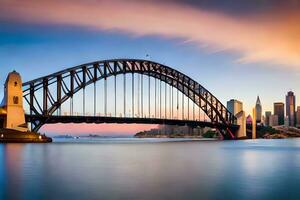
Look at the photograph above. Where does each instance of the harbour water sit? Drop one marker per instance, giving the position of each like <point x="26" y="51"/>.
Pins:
<point x="131" y="168"/>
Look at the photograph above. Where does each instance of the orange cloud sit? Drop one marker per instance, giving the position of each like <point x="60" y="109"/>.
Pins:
<point x="273" y="38"/>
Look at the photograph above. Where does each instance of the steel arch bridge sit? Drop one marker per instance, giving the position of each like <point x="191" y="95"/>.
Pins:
<point x="64" y="84"/>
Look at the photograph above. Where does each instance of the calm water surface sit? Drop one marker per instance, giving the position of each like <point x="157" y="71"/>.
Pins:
<point x="151" y="169"/>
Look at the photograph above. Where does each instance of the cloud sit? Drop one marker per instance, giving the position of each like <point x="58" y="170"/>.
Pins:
<point x="272" y="38"/>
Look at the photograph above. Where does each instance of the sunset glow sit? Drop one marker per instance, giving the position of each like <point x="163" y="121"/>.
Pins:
<point x="272" y="37"/>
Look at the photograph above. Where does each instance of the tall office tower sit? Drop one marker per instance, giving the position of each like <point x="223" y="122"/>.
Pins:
<point x="279" y="111"/>
<point x="234" y="106"/>
<point x="290" y="101"/>
<point x="298" y="117"/>
<point x="254" y="123"/>
<point x="258" y="110"/>
<point x="267" y="117"/>
<point x="273" y="120"/>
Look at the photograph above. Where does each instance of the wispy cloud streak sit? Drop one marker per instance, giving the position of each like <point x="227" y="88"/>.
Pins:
<point x="273" y="38"/>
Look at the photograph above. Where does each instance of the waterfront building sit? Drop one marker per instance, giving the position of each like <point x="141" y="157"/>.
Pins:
<point x="279" y="111"/>
<point x="249" y="120"/>
<point x="234" y="106"/>
<point x="273" y="120"/>
<point x="241" y="120"/>
<point x="286" y="121"/>
<point x="298" y="117"/>
<point x="267" y="118"/>
<point x="258" y="110"/>
<point x="290" y="107"/>
<point x="254" y="123"/>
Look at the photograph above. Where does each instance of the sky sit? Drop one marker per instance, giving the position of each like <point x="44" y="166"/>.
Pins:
<point x="236" y="49"/>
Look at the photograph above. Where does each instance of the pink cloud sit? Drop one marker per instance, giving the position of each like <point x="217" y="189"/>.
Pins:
<point x="101" y="129"/>
<point x="272" y="38"/>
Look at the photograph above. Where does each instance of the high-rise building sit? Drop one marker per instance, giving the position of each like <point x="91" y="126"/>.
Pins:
<point x="258" y="109"/>
<point x="286" y="121"/>
<point x="249" y="120"/>
<point x="298" y="117"/>
<point x="267" y="117"/>
<point x="279" y="111"/>
<point x="273" y="120"/>
<point x="234" y="106"/>
<point x="290" y="107"/>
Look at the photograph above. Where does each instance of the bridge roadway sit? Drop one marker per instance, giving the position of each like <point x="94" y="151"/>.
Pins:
<point x="128" y="120"/>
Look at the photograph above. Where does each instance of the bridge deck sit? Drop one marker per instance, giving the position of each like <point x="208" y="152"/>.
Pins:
<point x="127" y="120"/>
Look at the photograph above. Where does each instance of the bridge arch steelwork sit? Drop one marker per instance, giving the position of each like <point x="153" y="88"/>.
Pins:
<point x="72" y="80"/>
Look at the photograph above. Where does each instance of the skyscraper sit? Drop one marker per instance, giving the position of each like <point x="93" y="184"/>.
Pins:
<point x="258" y="109"/>
<point x="273" y="120"/>
<point x="279" y="111"/>
<point x="298" y="117"/>
<point x="290" y="101"/>
<point x="267" y="117"/>
<point x="234" y="106"/>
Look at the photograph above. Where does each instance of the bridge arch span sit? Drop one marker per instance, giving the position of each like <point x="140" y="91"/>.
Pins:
<point x="69" y="81"/>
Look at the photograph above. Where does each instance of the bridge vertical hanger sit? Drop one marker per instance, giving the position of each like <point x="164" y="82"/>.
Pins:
<point x="160" y="98"/>
<point x="31" y="99"/>
<point x="115" y="87"/>
<point x="182" y="103"/>
<point x="95" y="67"/>
<point x="194" y="100"/>
<point x="138" y="94"/>
<point x="199" y="106"/>
<point x="71" y="90"/>
<point x="124" y="64"/>
<point x="45" y="96"/>
<point x="58" y="92"/>
<point x="84" y="71"/>
<point x="165" y="96"/>
<point x="172" y="99"/>
<point x="105" y="88"/>
<point x="188" y="105"/>
<point x="149" y="90"/>
<point x="155" y="97"/>
<point x="132" y="82"/>
<point x="142" y="95"/>
<point x="124" y="92"/>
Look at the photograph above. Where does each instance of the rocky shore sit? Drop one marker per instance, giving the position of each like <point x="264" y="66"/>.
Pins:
<point x="14" y="136"/>
<point x="145" y="135"/>
<point x="283" y="132"/>
<point x="175" y="133"/>
<point x="279" y="132"/>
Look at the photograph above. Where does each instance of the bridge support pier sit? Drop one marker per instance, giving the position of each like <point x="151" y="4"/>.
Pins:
<point x="14" y="128"/>
<point x="11" y="107"/>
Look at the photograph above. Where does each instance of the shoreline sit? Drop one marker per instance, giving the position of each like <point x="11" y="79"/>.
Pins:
<point x="14" y="136"/>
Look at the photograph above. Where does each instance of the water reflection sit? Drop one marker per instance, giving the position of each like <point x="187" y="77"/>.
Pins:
<point x="11" y="171"/>
<point x="264" y="169"/>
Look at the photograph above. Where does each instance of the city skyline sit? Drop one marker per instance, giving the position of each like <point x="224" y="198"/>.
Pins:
<point x="42" y="38"/>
